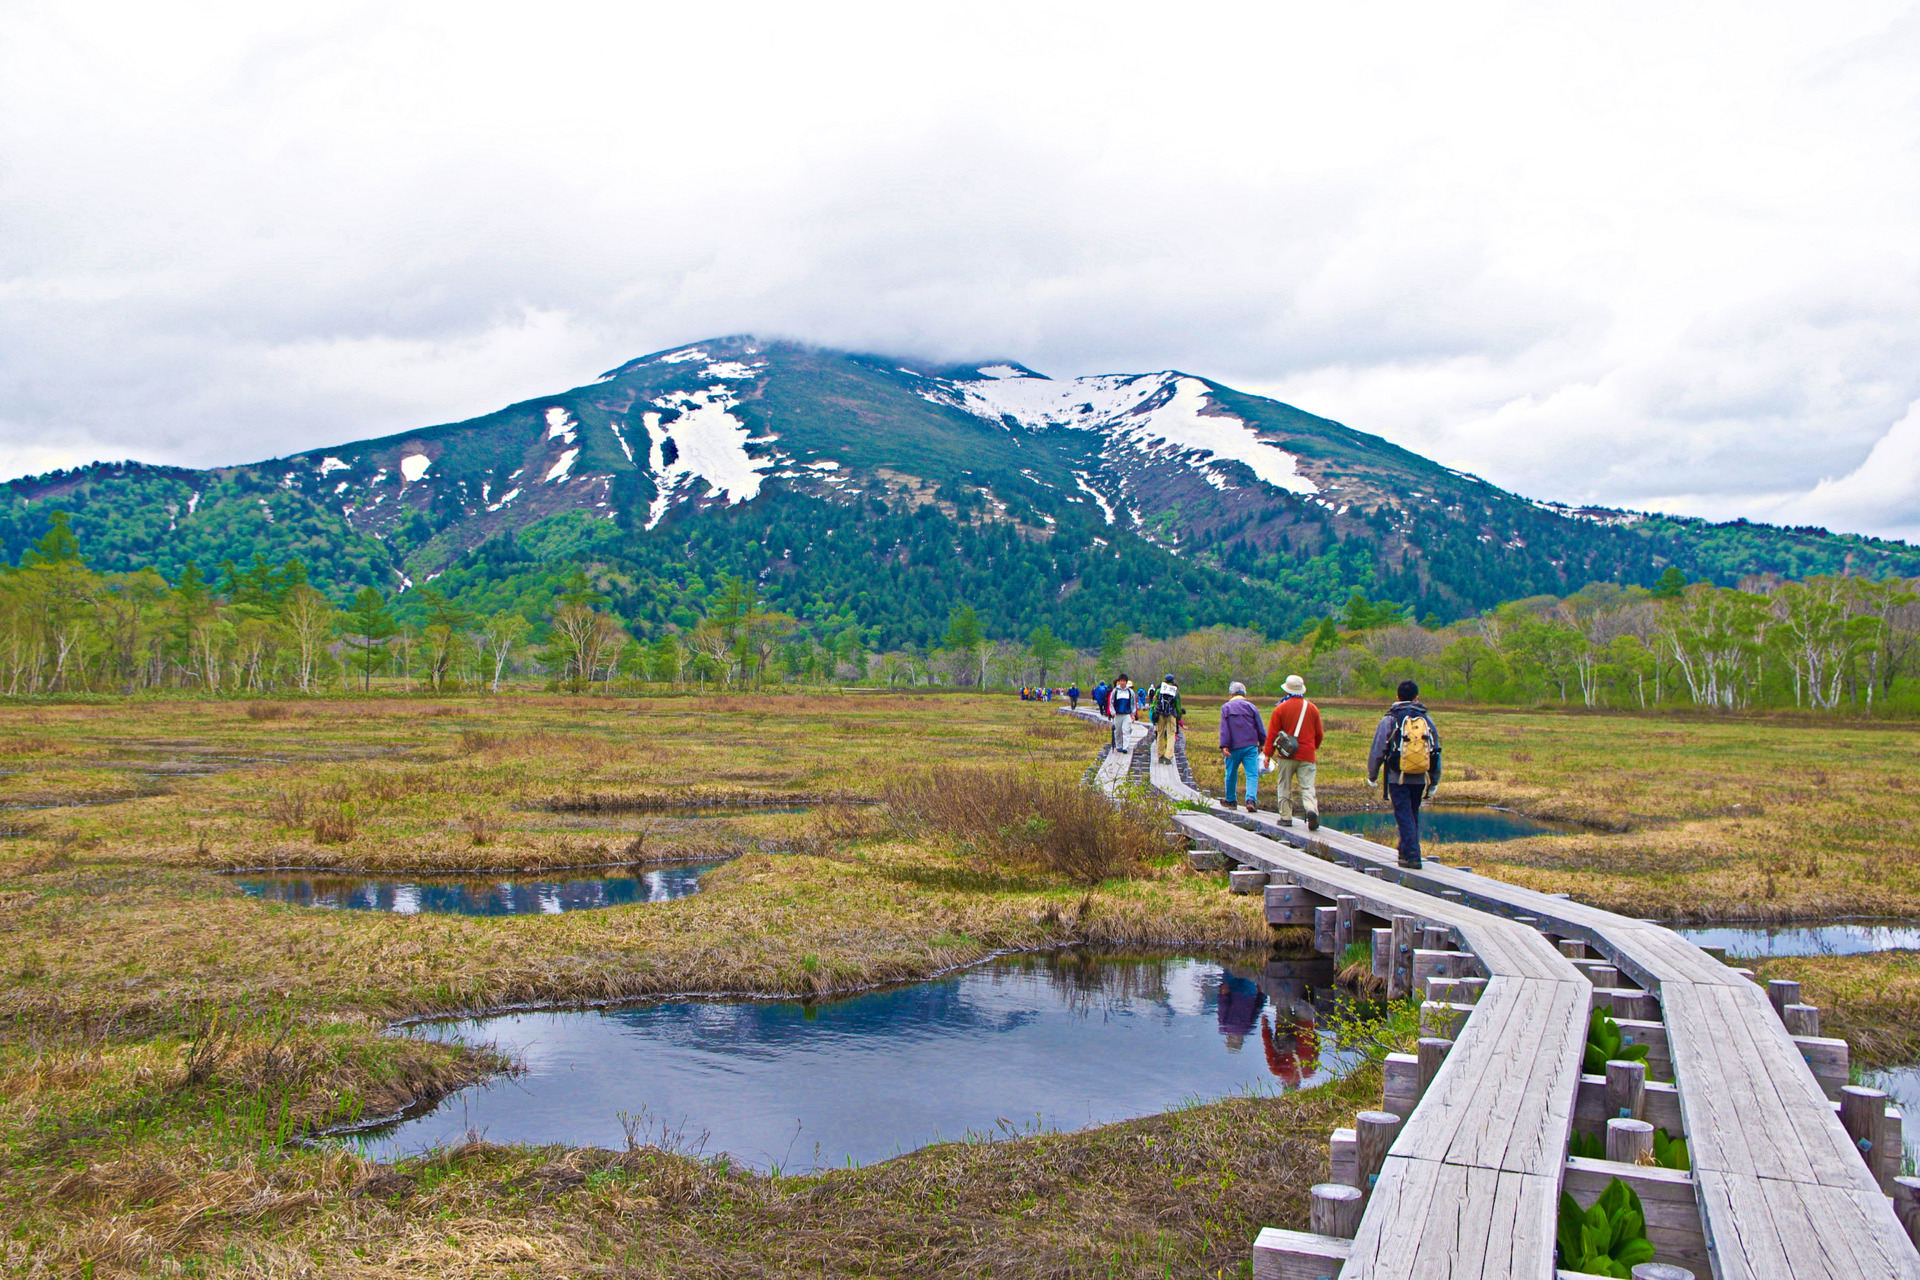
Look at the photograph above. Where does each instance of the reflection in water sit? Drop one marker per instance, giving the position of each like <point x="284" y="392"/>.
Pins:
<point x="1051" y="1042"/>
<point x="1846" y="938"/>
<point x="478" y="895"/>
<point x="1449" y="824"/>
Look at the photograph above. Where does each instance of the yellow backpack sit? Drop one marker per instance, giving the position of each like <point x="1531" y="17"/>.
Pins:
<point x="1416" y="745"/>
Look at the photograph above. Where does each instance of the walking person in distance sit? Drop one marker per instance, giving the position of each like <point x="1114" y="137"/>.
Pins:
<point x="1240" y="736"/>
<point x="1169" y="716"/>
<point x="1121" y="703"/>
<point x="1406" y="745"/>
<point x="1294" y="735"/>
<point x="1073" y="696"/>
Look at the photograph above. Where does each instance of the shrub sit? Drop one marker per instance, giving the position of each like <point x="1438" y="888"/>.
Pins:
<point x="1022" y="821"/>
<point x="481" y="829"/>
<point x="266" y="711"/>
<point x="288" y="807"/>
<point x="336" y="826"/>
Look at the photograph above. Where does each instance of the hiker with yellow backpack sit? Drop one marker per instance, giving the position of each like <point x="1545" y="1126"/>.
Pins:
<point x="1407" y="746"/>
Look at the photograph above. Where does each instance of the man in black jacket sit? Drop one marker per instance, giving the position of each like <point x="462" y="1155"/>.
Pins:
<point x="1407" y="745"/>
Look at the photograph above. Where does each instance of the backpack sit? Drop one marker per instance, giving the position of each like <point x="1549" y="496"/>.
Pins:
<point x="1415" y="746"/>
<point x="1169" y="697"/>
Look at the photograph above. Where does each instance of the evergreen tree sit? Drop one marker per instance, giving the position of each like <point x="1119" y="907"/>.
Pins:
<point x="367" y="627"/>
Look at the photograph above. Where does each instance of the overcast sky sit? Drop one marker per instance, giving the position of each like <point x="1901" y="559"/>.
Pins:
<point x="1641" y="254"/>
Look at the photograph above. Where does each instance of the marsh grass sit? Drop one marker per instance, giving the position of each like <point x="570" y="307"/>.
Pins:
<point x="1018" y="820"/>
<point x="1872" y="1001"/>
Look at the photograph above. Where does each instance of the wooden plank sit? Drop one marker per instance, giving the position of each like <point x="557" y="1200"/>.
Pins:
<point x="1298" y="1255"/>
<point x="1741" y="1235"/>
<point x="1391" y="1233"/>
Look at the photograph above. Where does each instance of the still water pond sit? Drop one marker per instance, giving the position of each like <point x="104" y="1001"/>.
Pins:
<point x="1051" y="1042"/>
<point x="481" y="895"/>
<point x="1449" y="824"/>
<point x="1841" y="938"/>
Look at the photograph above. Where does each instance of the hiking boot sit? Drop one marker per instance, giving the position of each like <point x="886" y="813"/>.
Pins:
<point x="1285" y="822"/>
<point x="1313" y="821"/>
<point x="1413" y="865"/>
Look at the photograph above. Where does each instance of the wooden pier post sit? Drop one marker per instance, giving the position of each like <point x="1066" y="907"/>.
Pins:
<point x="1573" y="949"/>
<point x="1861" y="1110"/>
<point x="1626" y="1090"/>
<point x="1433" y="1052"/>
<point x="1801" y="1019"/>
<point x="1906" y="1206"/>
<point x="1374" y="1132"/>
<point x="1628" y="1140"/>
<point x="1782" y="992"/>
<point x="1325" y="930"/>
<point x="1346" y="906"/>
<point x="1383" y="957"/>
<point x="1336" y="1210"/>
<point x="1661" y="1271"/>
<point x="1400" y="980"/>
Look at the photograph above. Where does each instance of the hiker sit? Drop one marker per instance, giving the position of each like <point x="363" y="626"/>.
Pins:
<point x="1121" y="702"/>
<point x="1295" y="721"/>
<point x="1240" y="735"/>
<point x="1169" y="717"/>
<point x="1100" y="692"/>
<point x="1407" y="746"/>
<point x="1073" y="696"/>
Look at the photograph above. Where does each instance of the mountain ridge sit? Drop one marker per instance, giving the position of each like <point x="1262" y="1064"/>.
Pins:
<point x="1236" y="488"/>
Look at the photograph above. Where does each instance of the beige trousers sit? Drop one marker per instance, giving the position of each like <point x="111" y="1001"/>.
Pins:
<point x="1166" y="731"/>
<point x="1285" y="775"/>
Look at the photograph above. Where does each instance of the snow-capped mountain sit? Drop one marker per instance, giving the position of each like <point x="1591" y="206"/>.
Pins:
<point x="1247" y="485"/>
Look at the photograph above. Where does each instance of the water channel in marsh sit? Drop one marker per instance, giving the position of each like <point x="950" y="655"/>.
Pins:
<point x="1053" y="1041"/>
<point x="498" y="894"/>
<point x="1449" y="824"/>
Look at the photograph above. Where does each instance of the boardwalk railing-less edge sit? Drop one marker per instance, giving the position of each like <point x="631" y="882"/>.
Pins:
<point x="1795" y="1174"/>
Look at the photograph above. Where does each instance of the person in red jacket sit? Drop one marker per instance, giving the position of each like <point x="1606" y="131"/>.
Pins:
<point x="1301" y="719"/>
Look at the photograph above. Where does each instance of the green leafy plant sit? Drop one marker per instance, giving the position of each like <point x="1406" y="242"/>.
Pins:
<point x="1668" y="1153"/>
<point x="1609" y="1239"/>
<point x="1605" y="1044"/>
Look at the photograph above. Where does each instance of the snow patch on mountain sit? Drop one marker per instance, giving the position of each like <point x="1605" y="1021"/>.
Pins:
<point x="1167" y="415"/>
<point x="330" y="464"/>
<point x="710" y="444"/>
<point x="560" y="424"/>
<point x="559" y="469"/>
<point x="1094" y="493"/>
<point x="413" y="466"/>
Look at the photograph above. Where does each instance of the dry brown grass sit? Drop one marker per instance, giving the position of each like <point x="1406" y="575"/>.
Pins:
<point x="1871" y="1001"/>
<point x="1020" y="821"/>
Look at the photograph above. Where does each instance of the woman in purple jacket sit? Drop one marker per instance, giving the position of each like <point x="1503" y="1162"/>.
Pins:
<point x="1241" y="733"/>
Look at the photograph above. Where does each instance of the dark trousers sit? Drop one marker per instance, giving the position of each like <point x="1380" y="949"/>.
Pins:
<point x="1406" y="816"/>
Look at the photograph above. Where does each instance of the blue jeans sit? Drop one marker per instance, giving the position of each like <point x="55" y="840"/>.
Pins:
<point x="1247" y="759"/>
<point x="1406" y="815"/>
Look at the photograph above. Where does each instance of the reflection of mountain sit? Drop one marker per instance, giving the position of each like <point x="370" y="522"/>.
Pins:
<point x="478" y="895"/>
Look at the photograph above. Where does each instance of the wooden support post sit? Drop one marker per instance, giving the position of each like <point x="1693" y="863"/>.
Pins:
<point x="1628" y="1140"/>
<point x="1453" y="895"/>
<point x="1801" y="1019"/>
<point x="1470" y="989"/>
<point x="1638" y="1005"/>
<point x="1400" y="980"/>
<point x="1626" y="1090"/>
<point x="1383" y="957"/>
<point x="1433" y="1052"/>
<point x="1661" y="1271"/>
<point x="1336" y="1210"/>
<point x="1603" y="975"/>
<point x="1442" y="990"/>
<point x="1378" y="873"/>
<point x="1573" y="949"/>
<point x="1375" y="1132"/>
<point x="1325" y="923"/>
<point x="1906" y="1206"/>
<point x="1443" y="1019"/>
<point x="1346" y="906"/>
<point x="1782" y="992"/>
<point x="1861" y="1110"/>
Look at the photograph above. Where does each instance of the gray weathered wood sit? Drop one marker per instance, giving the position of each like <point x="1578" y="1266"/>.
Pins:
<point x="1383" y="956"/>
<point x="1628" y="1140"/>
<point x="1325" y="921"/>
<point x="1432" y="1052"/>
<point x="1782" y="992"/>
<point x="1375" y="1131"/>
<point x="1801" y="1019"/>
<point x="1343" y="1157"/>
<point x="1626" y="1089"/>
<point x="1298" y="1255"/>
<point x="1346" y="906"/>
<point x="1906" y="1205"/>
<point x="1335" y="1209"/>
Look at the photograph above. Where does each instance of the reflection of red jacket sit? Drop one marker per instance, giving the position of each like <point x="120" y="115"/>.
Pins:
<point x="1304" y="726"/>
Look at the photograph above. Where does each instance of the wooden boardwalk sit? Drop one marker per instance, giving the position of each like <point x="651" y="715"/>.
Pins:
<point x="1780" y="1188"/>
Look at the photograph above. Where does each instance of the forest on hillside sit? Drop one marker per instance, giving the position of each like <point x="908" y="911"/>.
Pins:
<point x="1828" y="642"/>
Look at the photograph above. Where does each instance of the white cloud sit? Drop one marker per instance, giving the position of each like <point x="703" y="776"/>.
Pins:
<point x="1635" y="255"/>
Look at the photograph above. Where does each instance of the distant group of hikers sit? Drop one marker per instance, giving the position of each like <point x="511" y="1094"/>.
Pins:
<point x="1041" y="693"/>
<point x="1404" y="757"/>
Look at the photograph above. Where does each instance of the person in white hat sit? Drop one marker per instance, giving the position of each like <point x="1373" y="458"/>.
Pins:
<point x="1294" y="735"/>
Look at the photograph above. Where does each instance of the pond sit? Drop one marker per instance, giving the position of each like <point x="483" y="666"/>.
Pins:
<point x="1449" y="824"/>
<point x="1836" y="938"/>
<point x="512" y="894"/>
<point x="1018" y="1044"/>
